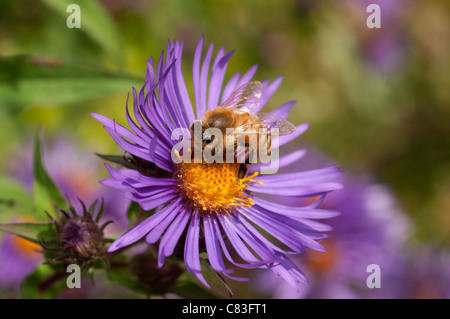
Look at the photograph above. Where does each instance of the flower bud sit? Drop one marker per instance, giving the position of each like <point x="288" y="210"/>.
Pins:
<point x="144" y="267"/>
<point x="79" y="237"/>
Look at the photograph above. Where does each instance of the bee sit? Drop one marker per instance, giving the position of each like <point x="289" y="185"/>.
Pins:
<point x="237" y="113"/>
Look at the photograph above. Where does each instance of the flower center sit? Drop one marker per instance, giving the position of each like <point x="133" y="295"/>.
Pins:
<point x="214" y="188"/>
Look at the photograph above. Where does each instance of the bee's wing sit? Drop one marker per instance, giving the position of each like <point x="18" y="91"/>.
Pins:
<point x="246" y="98"/>
<point x="271" y="122"/>
<point x="268" y="121"/>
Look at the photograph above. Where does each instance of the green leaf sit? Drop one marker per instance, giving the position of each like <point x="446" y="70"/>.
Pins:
<point x="217" y="275"/>
<point x="45" y="193"/>
<point x="31" y="231"/>
<point x="29" y="80"/>
<point x="133" y="211"/>
<point x="190" y="290"/>
<point x="116" y="159"/>
<point x="95" y="23"/>
<point x="14" y="199"/>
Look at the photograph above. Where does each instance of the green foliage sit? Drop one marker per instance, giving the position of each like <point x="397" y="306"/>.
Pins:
<point x="391" y="123"/>
<point x="14" y="200"/>
<point x="95" y="22"/>
<point x="34" y="232"/>
<point x="29" y="80"/>
<point x="134" y="211"/>
<point x="116" y="159"/>
<point x="46" y="195"/>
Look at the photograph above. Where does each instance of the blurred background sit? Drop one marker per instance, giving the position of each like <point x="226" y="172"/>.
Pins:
<point x="378" y="100"/>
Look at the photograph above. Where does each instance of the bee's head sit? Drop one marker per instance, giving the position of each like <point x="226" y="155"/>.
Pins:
<point x="199" y="127"/>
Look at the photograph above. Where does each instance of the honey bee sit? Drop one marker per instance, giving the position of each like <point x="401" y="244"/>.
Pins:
<point x="237" y="113"/>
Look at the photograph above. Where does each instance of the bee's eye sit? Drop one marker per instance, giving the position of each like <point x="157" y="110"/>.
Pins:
<point x="207" y="138"/>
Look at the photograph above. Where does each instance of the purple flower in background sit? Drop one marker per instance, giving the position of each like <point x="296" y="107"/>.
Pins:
<point x="371" y="229"/>
<point x="426" y="274"/>
<point x="212" y="207"/>
<point x="383" y="48"/>
<point x="80" y="181"/>
<point x="18" y="258"/>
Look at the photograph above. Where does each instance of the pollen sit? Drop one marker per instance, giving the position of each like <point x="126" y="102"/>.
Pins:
<point x="214" y="188"/>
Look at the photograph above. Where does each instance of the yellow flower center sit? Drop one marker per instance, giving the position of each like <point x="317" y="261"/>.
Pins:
<point x="214" y="188"/>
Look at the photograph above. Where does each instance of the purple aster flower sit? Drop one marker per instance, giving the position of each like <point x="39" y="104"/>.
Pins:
<point x="213" y="207"/>
<point x="371" y="229"/>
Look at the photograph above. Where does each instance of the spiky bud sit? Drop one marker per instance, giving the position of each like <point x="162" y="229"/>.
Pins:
<point x="79" y="237"/>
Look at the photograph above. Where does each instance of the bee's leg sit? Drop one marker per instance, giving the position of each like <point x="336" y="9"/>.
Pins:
<point x="230" y="148"/>
<point x="250" y="154"/>
<point x="242" y="172"/>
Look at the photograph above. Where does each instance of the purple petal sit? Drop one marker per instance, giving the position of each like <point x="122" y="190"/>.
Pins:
<point x="212" y="245"/>
<point x="191" y="247"/>
<point x="283" y="110"/>
<point x="204" y="82"/>
<point x="172" y="236"/>
<point x="230" y="87"/>
<point x="226" y="252"/>
<point x="133" y="177"/>
<point x="153" y="236"/>
<point x="295" y="212"/>
<point x="289" y="272"/>
<point x="282" y="140"/>
<point x="301" y="191"/>
<point x="252" y="241"/>
<point x="248" y="76"/>
<point x="150" y="203"/>
<point x="258" y="235"/>
<point x="196" y="75"/>
<point x="237" y="243"/>
<point x="304" y="178"/>
<point x="279" y="162"/>
<point x="282" y="231"/>
<point x="138" y="232"/>
<point x="217" y="75"/>
<point x="183" y="90"/>
<point x="269" y="91"/>
<point x="118" y="128"/>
